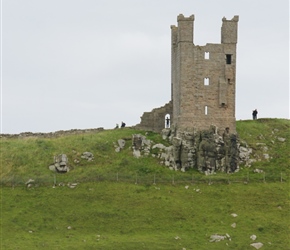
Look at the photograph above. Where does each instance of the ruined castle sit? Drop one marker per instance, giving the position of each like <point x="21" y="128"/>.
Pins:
<point x="203" y="81"/>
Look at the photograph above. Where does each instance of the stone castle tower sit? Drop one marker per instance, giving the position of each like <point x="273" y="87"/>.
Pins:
<point x="203" y="81"/>
<point x="203" y="77"/>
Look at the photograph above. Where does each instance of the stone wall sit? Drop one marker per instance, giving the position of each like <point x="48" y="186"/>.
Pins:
<point x="155" y="120"/>
<point x="51" y="134"/>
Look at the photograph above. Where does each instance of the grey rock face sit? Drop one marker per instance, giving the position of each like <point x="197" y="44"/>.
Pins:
<point x="165" y="133"/>
<point x="140" y="145"/>
<point x="244" y="154"/>
<point x="119" y="145"/>
<point x="206" y="150"/>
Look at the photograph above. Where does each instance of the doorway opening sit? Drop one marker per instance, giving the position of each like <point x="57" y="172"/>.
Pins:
<point x="167" y="121"/>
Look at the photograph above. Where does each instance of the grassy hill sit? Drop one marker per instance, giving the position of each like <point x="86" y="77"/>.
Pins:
<point x="121" y="202"/>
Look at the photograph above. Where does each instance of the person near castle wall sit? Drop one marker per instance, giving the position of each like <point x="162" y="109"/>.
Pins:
<point x="255" y="113"/>
<point x="167" y="122"/>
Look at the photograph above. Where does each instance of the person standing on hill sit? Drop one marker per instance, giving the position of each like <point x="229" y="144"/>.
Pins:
<point x="255" y="113"/>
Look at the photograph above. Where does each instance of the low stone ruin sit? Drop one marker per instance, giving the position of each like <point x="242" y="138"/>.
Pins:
<point x="60" y="164"/>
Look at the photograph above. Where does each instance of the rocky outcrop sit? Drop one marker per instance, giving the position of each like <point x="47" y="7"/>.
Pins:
<point x="87" y="156"/>
<point x="60" y="164"/>
<point x="204" y="150"/>
<point x="208" y="151"/>
<point x="119" y="145"/>
<point x="140" y="145"/>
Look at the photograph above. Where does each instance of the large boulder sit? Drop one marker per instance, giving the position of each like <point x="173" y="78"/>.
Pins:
<point x="119" y="145"/>
<point x="140" y="145"/>
<point x="60" y="164"/>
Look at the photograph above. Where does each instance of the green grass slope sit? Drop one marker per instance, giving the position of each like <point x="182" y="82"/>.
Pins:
<point x="29" y="157"/>
<point x="268" y="136"/>
<point x="116" y="205"/>
<point x="127" y="216"/>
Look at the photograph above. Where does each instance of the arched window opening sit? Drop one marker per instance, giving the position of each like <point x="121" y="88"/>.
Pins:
<point x="167" y="121"/>
<point x="205" y="110"/>
<point x="206" y="55"/>
<point x="206" y="81"/>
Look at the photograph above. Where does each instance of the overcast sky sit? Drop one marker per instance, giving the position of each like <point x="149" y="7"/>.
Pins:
<point x="77" y="64"/>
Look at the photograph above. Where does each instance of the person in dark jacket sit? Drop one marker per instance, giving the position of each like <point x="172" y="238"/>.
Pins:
<point x="255" y="113"/>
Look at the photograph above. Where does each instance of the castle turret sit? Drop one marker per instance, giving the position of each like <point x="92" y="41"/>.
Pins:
<point x="229" y="30"/>
<point x="185" y="28"/>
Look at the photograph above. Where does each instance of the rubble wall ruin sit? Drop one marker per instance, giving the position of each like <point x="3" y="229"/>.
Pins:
<point x="155" y="120"/>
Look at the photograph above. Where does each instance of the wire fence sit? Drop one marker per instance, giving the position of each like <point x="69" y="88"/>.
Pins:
<point x="147" y="179"/>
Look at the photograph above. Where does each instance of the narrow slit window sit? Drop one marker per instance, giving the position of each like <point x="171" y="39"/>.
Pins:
<point x="229" y="80"/>
<point x="205" y="110"/>
<point x="229" y="59"/>
<point x="206" y="55"/>
<point x="206" y="81"/>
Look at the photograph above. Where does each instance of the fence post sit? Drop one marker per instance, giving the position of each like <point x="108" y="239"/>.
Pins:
<point x="209" y="180"/>
<point x="54" y="180"/>
<point x="173" y="179"/>
<point x="154" y="183"/>
<point x="192" y="179"/>
<point x="264" y="178"/>
<point x="136" y="179"/>
<point x="248" y="177"/>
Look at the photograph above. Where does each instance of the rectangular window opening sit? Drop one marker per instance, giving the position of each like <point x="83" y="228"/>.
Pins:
<point x="229" y="59"/>
<point x="206" y="55"/>
<point x="206" y="81"/>
<point x="205" y="110"/>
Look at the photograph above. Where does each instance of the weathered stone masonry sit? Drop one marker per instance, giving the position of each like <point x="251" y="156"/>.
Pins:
<point x="202" y="105"/>
<point x="203" y="80"/>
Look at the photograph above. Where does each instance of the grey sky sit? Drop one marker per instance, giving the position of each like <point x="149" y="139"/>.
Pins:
<point x="70" y="64"/>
